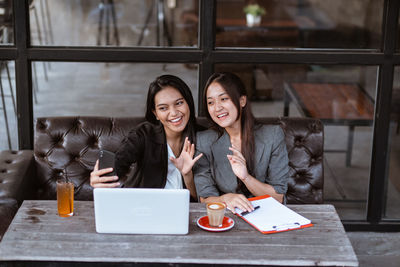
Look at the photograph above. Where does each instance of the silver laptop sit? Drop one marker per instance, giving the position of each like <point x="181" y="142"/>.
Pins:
<point x="141" y="211"/>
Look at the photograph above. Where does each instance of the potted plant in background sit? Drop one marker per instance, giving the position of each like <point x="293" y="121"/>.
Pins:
<point x="253" y="14"/>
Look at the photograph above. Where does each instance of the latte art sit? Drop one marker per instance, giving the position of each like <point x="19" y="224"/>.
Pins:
<point x="216" y="206"/>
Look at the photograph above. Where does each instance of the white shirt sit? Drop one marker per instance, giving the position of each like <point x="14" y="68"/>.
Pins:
<point x="174" y="178"/>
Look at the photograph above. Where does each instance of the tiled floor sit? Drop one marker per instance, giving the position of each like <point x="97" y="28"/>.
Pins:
<point x="376" y="249"/>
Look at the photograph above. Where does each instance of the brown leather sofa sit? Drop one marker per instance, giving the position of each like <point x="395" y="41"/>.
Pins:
<point x="70" y="145"/>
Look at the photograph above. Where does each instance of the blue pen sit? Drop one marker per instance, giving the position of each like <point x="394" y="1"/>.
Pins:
<point x="247" y="212"/>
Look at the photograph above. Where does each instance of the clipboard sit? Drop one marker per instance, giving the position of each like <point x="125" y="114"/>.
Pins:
<point x="272" y="216"/>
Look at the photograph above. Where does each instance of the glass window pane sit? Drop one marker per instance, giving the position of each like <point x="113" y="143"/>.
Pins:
<point x="343" y="98"/>
<point x="393" y="181"/>
<point x="6" y="23"/>
<point x="304" y="24"/>
<point x="100" y="89"/>
<point x="8" y="107"/>
<point x="114" y="23"/>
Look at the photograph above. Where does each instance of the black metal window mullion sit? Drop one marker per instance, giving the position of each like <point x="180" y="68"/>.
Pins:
<point x="207" y="45"/>
<point x="298" y="56"/>
<point x="380" y="149"/>
<point x="396" y="59"/>
<point x="23" y="75"/>
<point x="106" y="54"/>
<point x="8" y="53"/>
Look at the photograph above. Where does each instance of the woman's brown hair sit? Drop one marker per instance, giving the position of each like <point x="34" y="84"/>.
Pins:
<point x="159" y="84"/>
<point x="235" y="88"/>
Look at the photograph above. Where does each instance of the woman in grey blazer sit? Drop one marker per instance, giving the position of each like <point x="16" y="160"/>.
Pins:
<point x="241" y="158"/>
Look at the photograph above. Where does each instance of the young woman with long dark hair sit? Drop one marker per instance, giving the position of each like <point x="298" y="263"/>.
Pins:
<point x="162" y="148"/>
<point x="241" y="157"/>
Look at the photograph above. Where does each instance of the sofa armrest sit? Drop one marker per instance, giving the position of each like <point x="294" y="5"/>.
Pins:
<point x="17" y="171"/>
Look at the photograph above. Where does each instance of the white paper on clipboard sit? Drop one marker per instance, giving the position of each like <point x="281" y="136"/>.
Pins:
<point x="272" y="216"/>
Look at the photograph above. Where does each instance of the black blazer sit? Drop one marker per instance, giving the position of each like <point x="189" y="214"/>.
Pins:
<point x="146" y="146"/>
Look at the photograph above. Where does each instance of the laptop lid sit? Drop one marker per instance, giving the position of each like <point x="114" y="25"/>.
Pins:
<point x="141" y="210"/>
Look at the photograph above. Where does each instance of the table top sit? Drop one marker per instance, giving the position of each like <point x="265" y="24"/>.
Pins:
<point x="332" y="102"/>
<point x="37" y="233"/>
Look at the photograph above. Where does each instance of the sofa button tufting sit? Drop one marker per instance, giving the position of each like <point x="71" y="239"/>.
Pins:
<point x="93" y="141"/>
<point x="41" y="125"/>
<point x="298" y="143"/>
<point x="298" y="140"/>
<point x="313" y="128"/>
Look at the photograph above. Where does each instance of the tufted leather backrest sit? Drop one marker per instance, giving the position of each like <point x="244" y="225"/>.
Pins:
<point x="70" y="145"/>
<point x="305" y="145"/>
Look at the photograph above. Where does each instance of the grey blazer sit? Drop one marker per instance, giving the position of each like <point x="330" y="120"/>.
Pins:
<point x="213" y="175"/>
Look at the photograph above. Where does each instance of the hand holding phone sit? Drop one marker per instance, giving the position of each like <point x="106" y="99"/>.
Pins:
<point x="106" y="160"/>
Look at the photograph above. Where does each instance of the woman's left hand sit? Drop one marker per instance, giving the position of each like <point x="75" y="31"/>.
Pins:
<point x="185" y="161"/>
<point x="238" y="164"/>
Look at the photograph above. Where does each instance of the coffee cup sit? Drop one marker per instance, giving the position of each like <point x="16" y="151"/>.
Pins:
<point x="215" y="213"/>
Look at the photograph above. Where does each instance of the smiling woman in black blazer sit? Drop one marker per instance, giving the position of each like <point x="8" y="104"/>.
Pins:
<point x="162" y="147"/>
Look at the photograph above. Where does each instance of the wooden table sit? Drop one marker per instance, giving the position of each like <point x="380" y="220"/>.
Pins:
<point x="38" y="235"/>
<point x="334" y="104"/>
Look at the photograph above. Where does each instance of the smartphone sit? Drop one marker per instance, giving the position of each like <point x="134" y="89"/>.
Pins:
<point x="106" y="160"/>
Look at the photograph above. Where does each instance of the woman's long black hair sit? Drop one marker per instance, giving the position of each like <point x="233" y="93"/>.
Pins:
<point x="235" y="88"/>
<point x="162" y="82"/>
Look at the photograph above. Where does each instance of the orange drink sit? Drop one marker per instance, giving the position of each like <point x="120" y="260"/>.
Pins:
<point x="65" y="198"/>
